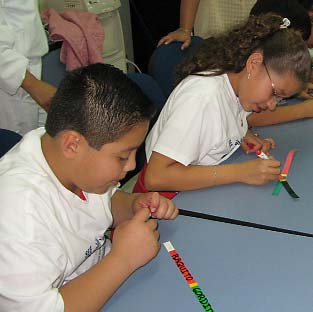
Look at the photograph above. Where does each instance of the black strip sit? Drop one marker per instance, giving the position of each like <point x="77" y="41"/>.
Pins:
<point x="200" y="215"/>
<point x="288" y="188"/>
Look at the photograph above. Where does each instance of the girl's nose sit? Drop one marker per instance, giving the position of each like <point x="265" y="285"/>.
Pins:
<point x="271" y="103"/>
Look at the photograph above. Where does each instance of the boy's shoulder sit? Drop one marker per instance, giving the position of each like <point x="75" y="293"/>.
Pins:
<point x="24" y="170"/>
<point x="25" y="157"/>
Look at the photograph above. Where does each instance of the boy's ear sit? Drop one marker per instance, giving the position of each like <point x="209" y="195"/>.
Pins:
<point x="254" y="61"/>
<point x="70" y="143"/>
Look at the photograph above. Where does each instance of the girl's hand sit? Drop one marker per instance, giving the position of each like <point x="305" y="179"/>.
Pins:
<point x="253" y="142"/>
<point x="307" y="93"/>
<point x="260" y="171"/>
<point x="159" y="206"/>
<point x="305" y="108"/>
<point x="177" y="35"/>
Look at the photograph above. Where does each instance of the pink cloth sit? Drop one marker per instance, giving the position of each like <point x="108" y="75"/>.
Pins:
<point x="82" y="35"/>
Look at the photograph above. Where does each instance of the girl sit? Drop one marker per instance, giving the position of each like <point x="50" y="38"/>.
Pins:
<point x="205" y="118"/>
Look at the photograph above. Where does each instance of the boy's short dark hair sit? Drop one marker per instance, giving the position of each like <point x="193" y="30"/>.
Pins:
<point x="100" y="102"/>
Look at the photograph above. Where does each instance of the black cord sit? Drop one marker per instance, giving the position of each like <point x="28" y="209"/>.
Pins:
<point x="205" y="216"/>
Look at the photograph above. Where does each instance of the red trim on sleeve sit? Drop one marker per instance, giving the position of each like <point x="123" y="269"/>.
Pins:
<point x="140" y="186"/>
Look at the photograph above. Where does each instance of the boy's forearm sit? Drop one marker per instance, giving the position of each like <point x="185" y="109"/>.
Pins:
<point x="91" y="290"/>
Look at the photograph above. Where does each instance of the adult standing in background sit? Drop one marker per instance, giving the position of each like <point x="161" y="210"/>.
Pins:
<point x="219" y="16"/>
<point x="308" y="5"/>
<point x="22" y="44"/>
<point x="208" y="18"/>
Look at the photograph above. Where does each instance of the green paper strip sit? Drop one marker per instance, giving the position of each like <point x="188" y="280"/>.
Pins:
<point x="277" y="188"/>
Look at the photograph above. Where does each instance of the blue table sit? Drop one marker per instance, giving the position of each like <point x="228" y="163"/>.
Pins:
<point x="256" y="203"/>
<point x="239" y="269"/>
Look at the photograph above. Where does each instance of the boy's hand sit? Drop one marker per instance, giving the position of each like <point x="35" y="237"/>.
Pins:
<point x="159" y="206"/>
<point x="136" y="241"/>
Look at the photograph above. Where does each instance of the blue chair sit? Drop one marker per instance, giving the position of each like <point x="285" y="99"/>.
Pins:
<point x="8" y="139"/>
<point x="165" y="58"/>
<point x="152" y="90"/>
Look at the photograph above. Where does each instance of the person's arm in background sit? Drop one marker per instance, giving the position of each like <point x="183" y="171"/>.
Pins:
<point x="188" y="11"/>
<point x="41" y="91"/>
<point x="14" y="73"/>
<point x="282" y="114"/>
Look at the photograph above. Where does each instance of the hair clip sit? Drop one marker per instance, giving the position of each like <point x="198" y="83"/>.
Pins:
<point x="285" y="24"/>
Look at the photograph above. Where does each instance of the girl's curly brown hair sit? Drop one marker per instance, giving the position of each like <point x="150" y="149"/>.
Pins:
<point x="283" y="50"/>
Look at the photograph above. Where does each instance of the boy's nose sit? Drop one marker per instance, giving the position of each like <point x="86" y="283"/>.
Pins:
<point x="131" y="163"/>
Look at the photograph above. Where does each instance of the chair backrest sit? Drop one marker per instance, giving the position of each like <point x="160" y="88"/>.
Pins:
<point x="8" y="139"/>
<point x="152" y="90"/>
<point x="165" y="58"/>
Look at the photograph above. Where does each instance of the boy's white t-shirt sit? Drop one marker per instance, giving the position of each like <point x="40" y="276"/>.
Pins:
<point x="48" y="235"/>
<point x="202" y="122"/>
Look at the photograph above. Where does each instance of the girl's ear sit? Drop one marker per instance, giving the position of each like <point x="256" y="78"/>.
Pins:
<point x="70" y="143"/>
<point x="254" y="62"/>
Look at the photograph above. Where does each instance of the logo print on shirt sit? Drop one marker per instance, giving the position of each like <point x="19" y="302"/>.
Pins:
<point x="88" y="252"/>
<point x="100" y="246"/>
<point x="232" y="143"/>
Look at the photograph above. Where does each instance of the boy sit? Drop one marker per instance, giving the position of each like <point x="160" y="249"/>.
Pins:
<point x="58" y="197"/>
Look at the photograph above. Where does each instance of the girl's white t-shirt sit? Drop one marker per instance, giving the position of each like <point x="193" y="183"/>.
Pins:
<point x="202" y="122"/>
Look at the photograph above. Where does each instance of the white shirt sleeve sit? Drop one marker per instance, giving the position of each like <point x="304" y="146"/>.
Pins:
<point x="22" y="41"/>
<point x="186" y="124"/>
<point x="12" y="63"/>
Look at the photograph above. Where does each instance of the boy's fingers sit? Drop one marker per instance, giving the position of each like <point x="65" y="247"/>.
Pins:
<point x="155" y="201"/>
<point x="142" y="214"/>
<point x="153" y="224"/>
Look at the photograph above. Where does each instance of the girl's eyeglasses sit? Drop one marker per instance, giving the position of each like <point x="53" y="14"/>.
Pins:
<point x="279" y="98"/>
